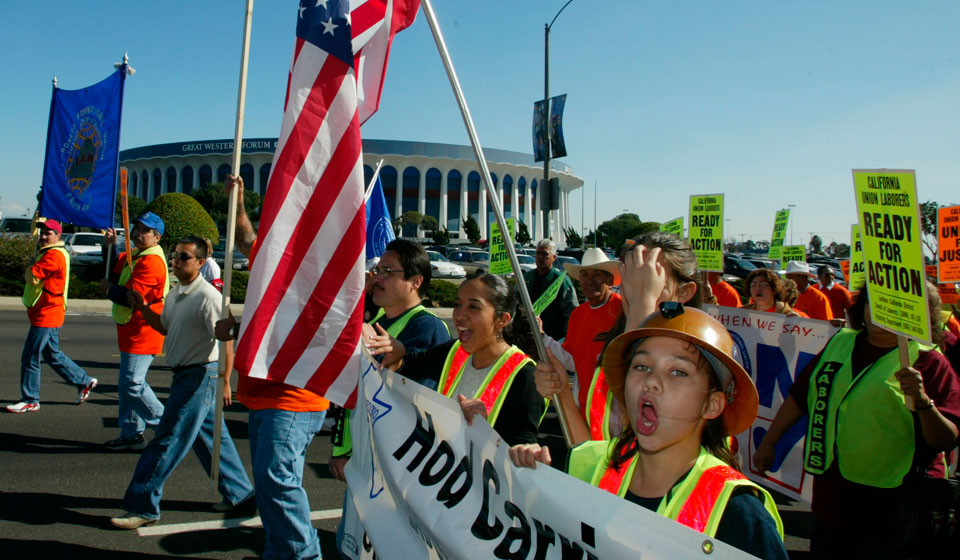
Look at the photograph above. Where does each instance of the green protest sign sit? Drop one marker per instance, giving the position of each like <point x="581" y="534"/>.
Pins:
<point x="889" y="217"/>
<point x="792" y="253"/>
<point x="779" y="233"/>
<point x="499" y="260"/>
<point x="674" y="226"/>
<point x="550" y="294"/>
<point x="857" y="277"/>
<point x="706" y="231"/>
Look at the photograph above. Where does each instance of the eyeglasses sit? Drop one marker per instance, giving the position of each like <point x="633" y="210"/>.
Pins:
<point x="383" y="271"/>
<point x="182" y="256"/>
<point x="760" y="285"/>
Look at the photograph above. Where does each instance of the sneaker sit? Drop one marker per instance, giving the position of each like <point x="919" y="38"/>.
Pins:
<point x="131" y="521"/>
<point x="84" y="393"/>
<point x="24" y="407"/>
<point x="135" y="442"/>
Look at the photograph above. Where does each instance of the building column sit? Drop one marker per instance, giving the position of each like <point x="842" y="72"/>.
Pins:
<point x="398" y="203"/>
<point x="149" y="185"/>
<point x="482" y="208"/>
<point x="163" y="180"/>
<point x="256" y="175"/>
<point x="422" y="197"/>
<point x="179" y="178"/>
<point x="526" y="205"/>
<point x="443" y="199"/>
<point x="464" y="204"/>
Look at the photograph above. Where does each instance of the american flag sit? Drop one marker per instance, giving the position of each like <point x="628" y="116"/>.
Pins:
<point x="304" y="303"/>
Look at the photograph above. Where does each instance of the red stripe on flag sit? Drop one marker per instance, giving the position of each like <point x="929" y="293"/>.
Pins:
<point x="366" y="16"/>
<point x="334" y="177"/>
<point x="339" y="357"/>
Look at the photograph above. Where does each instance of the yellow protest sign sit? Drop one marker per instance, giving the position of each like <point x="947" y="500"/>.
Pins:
<point x="792" y="253"/>
<point x="499" y="260"/>
<point x="858" y="273"/>
<point x="779" y="233"/>
<point x="674" y="226"/>
<point x="948" y="244"/>
<point x="706" y="231"/>
<point x="889" y="216"/>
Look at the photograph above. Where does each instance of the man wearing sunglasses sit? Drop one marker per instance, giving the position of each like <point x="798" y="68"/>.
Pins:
<point x="187" y="321"/>
<point x="146" y="275"/>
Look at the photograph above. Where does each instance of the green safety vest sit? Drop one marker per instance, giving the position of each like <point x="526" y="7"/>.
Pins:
<point x="121" y="313"/>
<point x="864" y="416"/>
<point x="493" y="390"/>
<point x="344" y="444"/>
<point x="599" y="401"/>
<point x="32" y="292"/>
<point x="697" y="501"/>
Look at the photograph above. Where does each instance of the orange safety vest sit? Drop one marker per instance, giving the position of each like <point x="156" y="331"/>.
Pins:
<point x="493" y="390"/>
<point x="599" y="399"/>
<point x="697" y="501"/>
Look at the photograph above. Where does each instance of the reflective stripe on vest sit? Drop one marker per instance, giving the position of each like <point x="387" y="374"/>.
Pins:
<point x="698" y="501"/>
<point x="864" y="416"/>
<point x="493" y="390"/>
<point x="599" y="399"/>
<point x="32" y="292"/>
<point x="397" y="327"/>
<point x="122" y="314"/>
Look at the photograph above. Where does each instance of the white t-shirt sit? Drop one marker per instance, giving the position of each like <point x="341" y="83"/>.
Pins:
<point x="210" y="269"/>
<point x="189" y="314"/>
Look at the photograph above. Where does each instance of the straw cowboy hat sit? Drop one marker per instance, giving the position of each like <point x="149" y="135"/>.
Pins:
<point x="596" y="259"/>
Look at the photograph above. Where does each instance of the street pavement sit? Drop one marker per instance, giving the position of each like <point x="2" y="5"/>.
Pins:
<point x="59" y="486"/>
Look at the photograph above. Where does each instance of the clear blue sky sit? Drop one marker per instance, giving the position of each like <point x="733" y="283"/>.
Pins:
<point x="771" y="103"/>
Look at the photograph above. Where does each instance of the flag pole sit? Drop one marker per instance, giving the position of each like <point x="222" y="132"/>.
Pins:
<point x="228" y="256"/>
<point x="373" y="181"/>
<point x="494" y="196"/>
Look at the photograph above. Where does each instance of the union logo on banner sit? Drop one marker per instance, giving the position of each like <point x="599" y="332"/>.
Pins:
<point x="80" y="154"/>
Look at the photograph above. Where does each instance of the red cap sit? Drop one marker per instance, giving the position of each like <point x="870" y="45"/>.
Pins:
<point x="51" y="224"/>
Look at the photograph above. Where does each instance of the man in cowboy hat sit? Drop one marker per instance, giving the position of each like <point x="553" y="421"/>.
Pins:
<point x="597" y="275"/>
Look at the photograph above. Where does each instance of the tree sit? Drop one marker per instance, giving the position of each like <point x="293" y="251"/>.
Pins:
<point x="214" y="199"/>
<point x="430" y="223"/>
<point x="523" y="234"/>
<point x="573" y="238"/>
<point x="816" y="243"/>
<point x="471" y="228"/>
<point x="440" y="236"/>
<point x="928" y="225"/>
<point x="615" y="231"/>
<point x="182" y="216"/>
<point x="411" y="217"/>
<point x="135" y="206"/>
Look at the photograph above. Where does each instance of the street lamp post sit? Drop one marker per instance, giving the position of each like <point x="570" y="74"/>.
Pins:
<point x="545" y="187"/>
<point x="792" y="220"/>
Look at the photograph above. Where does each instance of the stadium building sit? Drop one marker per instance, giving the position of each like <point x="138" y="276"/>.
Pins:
<point x="439" y="180"/>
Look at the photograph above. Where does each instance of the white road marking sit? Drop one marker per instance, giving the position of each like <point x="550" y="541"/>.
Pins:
<point x="160" y="530"/>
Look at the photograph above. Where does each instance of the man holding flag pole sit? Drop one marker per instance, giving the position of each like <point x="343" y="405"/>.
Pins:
<point x="300" y="340"/>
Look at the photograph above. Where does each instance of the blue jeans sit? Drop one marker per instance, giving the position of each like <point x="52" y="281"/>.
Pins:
<point x="278" y="444"/>
<point x="45" y="341"/>
<point x="188" y="414"/>
<point x="138" y="405"/>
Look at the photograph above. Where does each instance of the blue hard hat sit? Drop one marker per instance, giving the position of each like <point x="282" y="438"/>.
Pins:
<point x="151" y="220"/>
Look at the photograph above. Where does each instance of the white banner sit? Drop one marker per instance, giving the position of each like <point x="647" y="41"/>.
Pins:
<point x="426" y="485"/>
<point x="773" y="349"/>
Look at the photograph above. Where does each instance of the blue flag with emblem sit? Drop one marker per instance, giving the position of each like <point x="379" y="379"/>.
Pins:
<point x="83" y="142"/>
<point x="379" y="228"/>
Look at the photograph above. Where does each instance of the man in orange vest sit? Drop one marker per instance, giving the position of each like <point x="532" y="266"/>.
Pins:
<point x="838" y="296"/>
<point x="45" y="296"/>
<point x="811" y="300"/>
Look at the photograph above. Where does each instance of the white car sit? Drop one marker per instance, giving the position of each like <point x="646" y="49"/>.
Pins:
<point x="84" y="248"/>
<point x="442" y="268"/>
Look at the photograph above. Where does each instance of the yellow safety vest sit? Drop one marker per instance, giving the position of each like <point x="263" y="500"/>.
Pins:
<point x="32" y="292"/>
<point x="697" y="501"/>
<point x="859" y="420"/>
<point x="493" y="390"/>
<point x="121" y="313"/>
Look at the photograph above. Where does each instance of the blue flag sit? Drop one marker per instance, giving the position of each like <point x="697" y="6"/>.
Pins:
<point x="379" y="228"/>
<point x="83" y="142"/>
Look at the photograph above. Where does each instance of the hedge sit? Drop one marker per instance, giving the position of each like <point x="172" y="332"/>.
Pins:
<point x="182" y="215"/>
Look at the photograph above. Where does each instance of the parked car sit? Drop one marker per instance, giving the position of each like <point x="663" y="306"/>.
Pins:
<point x="15" y="225"/>
<point x="442" y="249"/>
<point x="440" y="267"/>
<point x="471" y="261"/>
<point x="83" y="243"/>
<point x="240" y="262"/>
<point x="737" y="267"/>
<point x="527" y="262"/>
<point x="563" y="259"/>
<point x="765" y="263"/>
